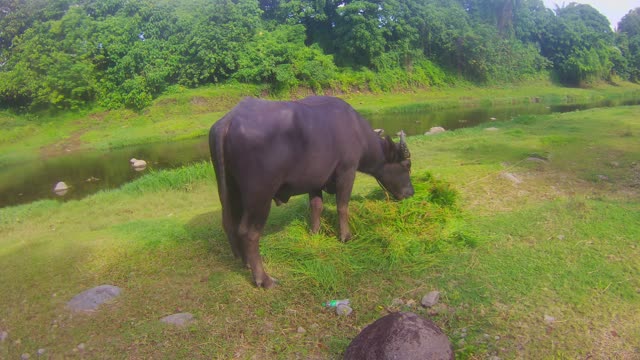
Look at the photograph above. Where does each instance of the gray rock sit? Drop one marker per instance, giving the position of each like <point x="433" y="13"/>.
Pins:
<point x="401" y="335"/>
<point x="25" y="356"/>
<point x="41" y="352"/>
<point x="549" y="319"/>
<point x="81" y="346"/>
<point x="301" y="330"/>
<point x="180" y="319"/>
<point x="4" y="335"/>
<point x="91" y="299"/>
<point x="430" y="299"/>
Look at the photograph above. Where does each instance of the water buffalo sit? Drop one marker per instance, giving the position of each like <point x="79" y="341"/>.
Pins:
<point x="263" y="150"/>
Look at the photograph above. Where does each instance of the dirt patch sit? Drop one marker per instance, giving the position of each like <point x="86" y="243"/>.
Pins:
<point x="212" y="104"/>
<point x="66" y="146"/>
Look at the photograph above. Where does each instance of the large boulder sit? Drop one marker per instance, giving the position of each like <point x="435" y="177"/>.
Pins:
<point x="401" y="336"/>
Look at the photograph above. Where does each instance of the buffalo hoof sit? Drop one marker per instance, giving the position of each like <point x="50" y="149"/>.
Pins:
<point x="346" y="237"/>
<point x="267" y="282"/>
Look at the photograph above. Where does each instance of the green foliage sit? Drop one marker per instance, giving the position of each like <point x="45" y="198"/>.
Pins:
<point x="629" y="43"/>
<point x="580" y="43"/>
<point x="280" y="58"/>
<point x="70" y="54"/>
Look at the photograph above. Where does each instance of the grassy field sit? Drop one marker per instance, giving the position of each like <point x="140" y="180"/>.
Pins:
<point x="530" y="232"/>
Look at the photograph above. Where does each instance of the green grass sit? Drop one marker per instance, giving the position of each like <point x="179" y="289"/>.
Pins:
<point x="562" y="243"/>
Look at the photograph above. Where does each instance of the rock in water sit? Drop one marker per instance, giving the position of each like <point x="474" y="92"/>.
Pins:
<point x="91" y="299"/>
<point x="61" y="188"/>
<point x="401" y="335"/>
<point x="435" y="130"/>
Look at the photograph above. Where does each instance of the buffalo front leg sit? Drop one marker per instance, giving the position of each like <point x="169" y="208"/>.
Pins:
<point x="344" y="185"/>
<point x="315" y="203"/>
<point x="250" y="229"/>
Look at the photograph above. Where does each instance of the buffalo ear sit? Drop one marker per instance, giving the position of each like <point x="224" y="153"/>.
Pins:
<point x="389" y="149"/>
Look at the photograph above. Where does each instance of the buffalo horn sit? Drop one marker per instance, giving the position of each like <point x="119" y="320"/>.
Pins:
<point x="403" y="146"/>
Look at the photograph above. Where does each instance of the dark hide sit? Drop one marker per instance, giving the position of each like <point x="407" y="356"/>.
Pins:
<point x="263" y="150"/>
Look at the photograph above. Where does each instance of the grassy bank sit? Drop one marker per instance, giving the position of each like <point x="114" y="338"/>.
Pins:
<point x="188" y="113"/>
<point x="530" y="232"/>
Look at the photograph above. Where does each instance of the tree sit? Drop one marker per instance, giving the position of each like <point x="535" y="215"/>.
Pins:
<point x="579" y="42"/>
<point x="629" y="42"/>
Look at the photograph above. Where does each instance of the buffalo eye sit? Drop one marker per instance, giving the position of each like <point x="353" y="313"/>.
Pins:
<point x="406" y="164"/>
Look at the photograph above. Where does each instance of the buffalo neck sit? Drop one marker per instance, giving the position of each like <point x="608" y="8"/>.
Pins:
<point x="373" y="158"/>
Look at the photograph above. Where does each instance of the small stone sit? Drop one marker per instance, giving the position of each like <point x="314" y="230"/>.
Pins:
<point x="397" y="302"/>
<point x="560" y="237"/>
<point x="511" y="177"/>
<point x="61" y="188"/>
<point x="496" y="337"/>
<point x="41" y="352"/>
<point x="549" y="319"/>
<point x="139" y="163"/>
<point x="60" y="185"/>
<point x="25" y="356"/>
<point x="3" y="336"/>
<point x="537" y="159"/>
<point x="180" y="319"/>
<point x="492" y="119"/>
<point x="491" y="129"/>
<point x="301" y="330"/>
<point x="343" y="310"/>
<point x="430" y="299"/>
<point x="81" y="346"/>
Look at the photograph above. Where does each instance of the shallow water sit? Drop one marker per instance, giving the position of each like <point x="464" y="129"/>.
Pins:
<point x="89" y="172"/>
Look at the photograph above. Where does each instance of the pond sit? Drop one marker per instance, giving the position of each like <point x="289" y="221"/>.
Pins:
<point x="89" y="172"/>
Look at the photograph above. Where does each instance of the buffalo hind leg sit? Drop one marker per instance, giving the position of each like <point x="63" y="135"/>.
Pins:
<point x="315" y="202"/>
<point x="231" y="216"/>
<point x="344" y="186"/>
<point x="251" y="226"/>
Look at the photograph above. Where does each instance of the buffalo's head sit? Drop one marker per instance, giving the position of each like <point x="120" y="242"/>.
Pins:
<point x="394" y="176"/>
